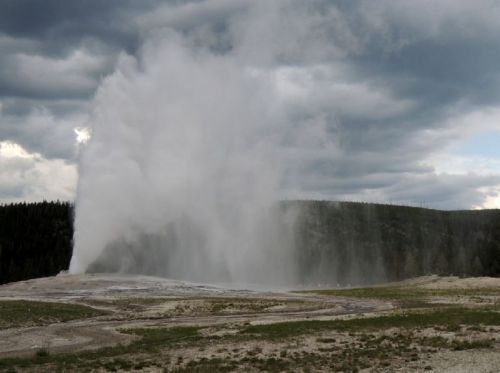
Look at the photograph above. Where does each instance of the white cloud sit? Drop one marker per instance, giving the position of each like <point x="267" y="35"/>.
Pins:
<point x="28" y="176"/>
<point x="461" y="165"/>
<point x="464" y="121"/>
<point x="461" y="125"/>
<point x="42" y="132"/>
<point x="13" y="150"/>
<point x="492" y="200"/>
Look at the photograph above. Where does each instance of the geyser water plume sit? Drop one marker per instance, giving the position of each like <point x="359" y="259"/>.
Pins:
<point x="185" y="165"/>
<point x="178" y="151"/>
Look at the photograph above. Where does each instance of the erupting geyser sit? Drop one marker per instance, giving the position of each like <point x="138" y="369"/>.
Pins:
<point x="185" y="165"/>
<point x="182" y="151"/>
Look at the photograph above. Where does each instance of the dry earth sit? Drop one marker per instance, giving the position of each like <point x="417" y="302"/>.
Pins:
<point x="127" y="323"/>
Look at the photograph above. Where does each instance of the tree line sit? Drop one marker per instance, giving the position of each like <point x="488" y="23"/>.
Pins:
<point x="342" y="243"/>
<point x="361" y="243"/>
<point x="35" y="239"/>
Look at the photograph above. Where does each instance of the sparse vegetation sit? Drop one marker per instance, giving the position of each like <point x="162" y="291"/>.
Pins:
<point x="342" y="345"/>
<point x="405" y="292"/>
<point x="42" y="353"/>
<point x="411" y="297"/>
<point x="441" y="317"/>
<point x="15" y="313"/>
<point x="151" y="341"/>
<point x="127" y="304"/>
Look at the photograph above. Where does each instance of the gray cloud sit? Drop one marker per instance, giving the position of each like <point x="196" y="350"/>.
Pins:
<point x="59" y="25"/>
<point x="43" y="133"/>
<point x="33" y="76"/>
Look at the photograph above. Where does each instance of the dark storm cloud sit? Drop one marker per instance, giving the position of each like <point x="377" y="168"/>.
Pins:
<point x="20" y="107"/>
<point x="60" y="24"/>
<point x="36" y="37"/>
<point x="435" y="53"/>
<point x="36" y="77"/>
<point x="440" y="71"/>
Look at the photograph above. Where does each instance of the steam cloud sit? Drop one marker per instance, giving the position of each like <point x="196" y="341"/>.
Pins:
<point x="185" y="165"/>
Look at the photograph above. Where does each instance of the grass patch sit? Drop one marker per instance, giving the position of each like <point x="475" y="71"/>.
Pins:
<point x="401" y="292"/>
<point x="42" y="353"/>
<point x="154" y="338"/>
<point x="128" y="304"/>
<point x="17" y="313"/>
<point x="151" y="341"/>
<point x="233" y="305"/>
<point x="207" y="365"/>
<point x="408" y="297"/>
<point x="154" y="343"/>
<point x="444" y="317"/>
<point x="142" y="301"/>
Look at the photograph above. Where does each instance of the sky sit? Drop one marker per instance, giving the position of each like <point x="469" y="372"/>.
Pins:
<point x="386" y="101"/>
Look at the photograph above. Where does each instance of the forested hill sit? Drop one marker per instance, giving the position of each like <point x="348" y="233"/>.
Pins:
<point x="335" y="243"/>
<point x="359" y="243"/>
<point x="35" y="239"/>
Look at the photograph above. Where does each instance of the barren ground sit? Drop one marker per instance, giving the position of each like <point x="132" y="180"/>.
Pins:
<point x="125" y="323"/>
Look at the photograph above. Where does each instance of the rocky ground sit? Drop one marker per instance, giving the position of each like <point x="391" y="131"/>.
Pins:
<point x="125" y="323"/>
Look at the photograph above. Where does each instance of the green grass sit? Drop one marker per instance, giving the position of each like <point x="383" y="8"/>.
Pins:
<point x="42" y="353"/>
<point x="223" y="305"/>
<point x="443" y="317"/>
<point x="154" y="338"/>
<point x="17" y="313"/>
<point x="150" y="342"/>
<point x="129" y="304"/>
<point x="407" y="297"/>
<point x="153" y="345"/>
<point x="207" y="366"/>
<point x="401" y="292"/>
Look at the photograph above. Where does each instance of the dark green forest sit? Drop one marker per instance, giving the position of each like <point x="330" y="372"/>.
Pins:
<point x="35" y="239"/>
<point x="359" y="243"/>
<point x="342" y="243"/>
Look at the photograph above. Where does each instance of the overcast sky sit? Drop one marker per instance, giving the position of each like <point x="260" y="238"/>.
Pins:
<point x="406" y="92"/>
